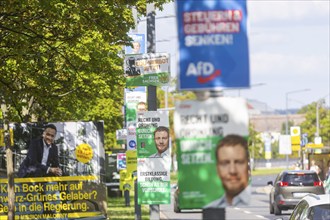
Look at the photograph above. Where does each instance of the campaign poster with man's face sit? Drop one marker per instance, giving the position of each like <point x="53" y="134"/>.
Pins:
<point x="154" y="157"/>
<point x="199" y="126"/>
<point x="138" y="44"/>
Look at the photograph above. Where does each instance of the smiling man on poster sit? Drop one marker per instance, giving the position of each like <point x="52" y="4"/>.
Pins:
<point x="161" y="138"/>
<point x="154" y="158"/>
<point x="232" y="163"/>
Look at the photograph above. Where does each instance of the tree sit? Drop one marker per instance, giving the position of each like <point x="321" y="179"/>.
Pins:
<point x="255" y="143"/>
<point x="60" y="60"/>
<point x="309" y="125"/>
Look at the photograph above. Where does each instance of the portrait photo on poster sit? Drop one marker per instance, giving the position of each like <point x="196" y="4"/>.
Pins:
<point x="161" y="140"/>
<point x="232" y="165"/>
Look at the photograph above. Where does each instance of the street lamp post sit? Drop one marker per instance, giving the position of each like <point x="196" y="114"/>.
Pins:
<point x="317" y="134"/>
<point x="318" y="103"/>
<point x="287" y="115"/>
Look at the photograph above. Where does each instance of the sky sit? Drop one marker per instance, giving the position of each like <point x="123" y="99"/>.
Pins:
<point x="288" y="50"/>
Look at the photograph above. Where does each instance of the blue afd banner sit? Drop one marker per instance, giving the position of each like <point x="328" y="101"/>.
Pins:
<point x="213" y="44"/>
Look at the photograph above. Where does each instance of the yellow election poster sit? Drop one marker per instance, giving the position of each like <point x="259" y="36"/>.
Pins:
<point x="126" y="180"/>
<point x="131" y="162"/>
<point x="67" y="184"/>
<point x="295" y="138"/>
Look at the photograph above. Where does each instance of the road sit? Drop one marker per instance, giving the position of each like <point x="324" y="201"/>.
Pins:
<point x="259" y="208"/>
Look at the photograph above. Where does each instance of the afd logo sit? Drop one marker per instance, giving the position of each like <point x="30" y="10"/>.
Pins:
<point x="204" y="71"/>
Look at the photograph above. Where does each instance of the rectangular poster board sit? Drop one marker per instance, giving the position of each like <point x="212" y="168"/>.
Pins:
<point x="198" y="126"/>
<point x="132" y="98"/>
<point x="213" y="44"/>
<point x="153" y="171"/>
<point x="139" y="44"/>
<point x="79" y="193"/>
<point x="151" y="69"/>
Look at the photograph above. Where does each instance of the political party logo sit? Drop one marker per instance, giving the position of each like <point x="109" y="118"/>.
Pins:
<point x="84" y="153"/>
<point x="132" y="144"/>
<point x="204" y="71"/>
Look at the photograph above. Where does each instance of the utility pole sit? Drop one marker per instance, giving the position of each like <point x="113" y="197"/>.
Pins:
<point x="151" y="48"/>
<point x="152" y="90"/>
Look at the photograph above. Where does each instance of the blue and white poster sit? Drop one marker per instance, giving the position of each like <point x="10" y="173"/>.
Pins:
<point x="139" y="44"/>
<point x="213" y="44"/>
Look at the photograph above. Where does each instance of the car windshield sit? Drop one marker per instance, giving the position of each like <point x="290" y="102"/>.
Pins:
<point x="320" y="212"/>
<point x="300" y="179"/>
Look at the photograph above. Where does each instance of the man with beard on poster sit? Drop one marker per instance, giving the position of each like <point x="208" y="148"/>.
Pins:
<point x="232" y="163"/>
<point x="161" y="138"/>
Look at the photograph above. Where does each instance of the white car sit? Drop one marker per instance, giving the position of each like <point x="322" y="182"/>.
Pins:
<point x="312" y="207"/>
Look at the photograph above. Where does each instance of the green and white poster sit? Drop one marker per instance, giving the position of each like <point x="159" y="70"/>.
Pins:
<point x="198" y="126"/>
<point x="152" y="69"/>
<point x="132" y="98"/>
<point x="154" y="157"/>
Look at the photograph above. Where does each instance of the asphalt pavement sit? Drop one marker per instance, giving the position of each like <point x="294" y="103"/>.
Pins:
<point x="260" y="192"/>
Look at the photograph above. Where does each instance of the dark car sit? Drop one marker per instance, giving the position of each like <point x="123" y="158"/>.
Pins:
<point x="290" y="186"/>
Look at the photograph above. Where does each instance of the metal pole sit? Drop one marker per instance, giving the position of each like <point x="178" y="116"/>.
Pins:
<point x="286" y="126"/>
<point x="317" y="119"/>
<point x="152" y="90"/>
<point x="137" y="207"/>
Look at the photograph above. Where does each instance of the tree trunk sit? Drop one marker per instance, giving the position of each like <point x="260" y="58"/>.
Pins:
<point x="10" y="173"/>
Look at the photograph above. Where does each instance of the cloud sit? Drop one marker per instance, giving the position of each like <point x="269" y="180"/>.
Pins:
<point x="286" y="64"/>
<point x="285" y="12"/>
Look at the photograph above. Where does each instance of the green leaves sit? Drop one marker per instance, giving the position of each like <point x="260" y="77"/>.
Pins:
<point x="59" y="60"/>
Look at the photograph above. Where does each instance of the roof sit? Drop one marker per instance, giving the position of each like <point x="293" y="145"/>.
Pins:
<point x="298" y="171"/>
<point x="314" y="200"/>
<point x="274" y="123"/>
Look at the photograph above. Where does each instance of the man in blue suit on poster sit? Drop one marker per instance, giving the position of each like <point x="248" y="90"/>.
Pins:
<point x="42" y="158"/>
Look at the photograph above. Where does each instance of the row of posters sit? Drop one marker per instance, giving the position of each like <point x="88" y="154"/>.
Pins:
<point x="213" y="54"/>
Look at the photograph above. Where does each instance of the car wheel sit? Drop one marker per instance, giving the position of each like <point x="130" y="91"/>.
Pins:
<point x="176" y="204"/>
<point x="277" y="210"/>
<point x="176" y="207"/>
<point x="271" y="208"/>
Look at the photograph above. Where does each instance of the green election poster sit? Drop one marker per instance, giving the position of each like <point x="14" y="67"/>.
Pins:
<point x="154" y="157"/>
<point x="199" y="126"/>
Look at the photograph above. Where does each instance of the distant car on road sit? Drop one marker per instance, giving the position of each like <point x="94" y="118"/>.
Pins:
<point x="290" y="187"/>
<point x="312" y="207"/>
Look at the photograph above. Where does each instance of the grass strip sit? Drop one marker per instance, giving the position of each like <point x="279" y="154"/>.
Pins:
<point x="117" y="210"/>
